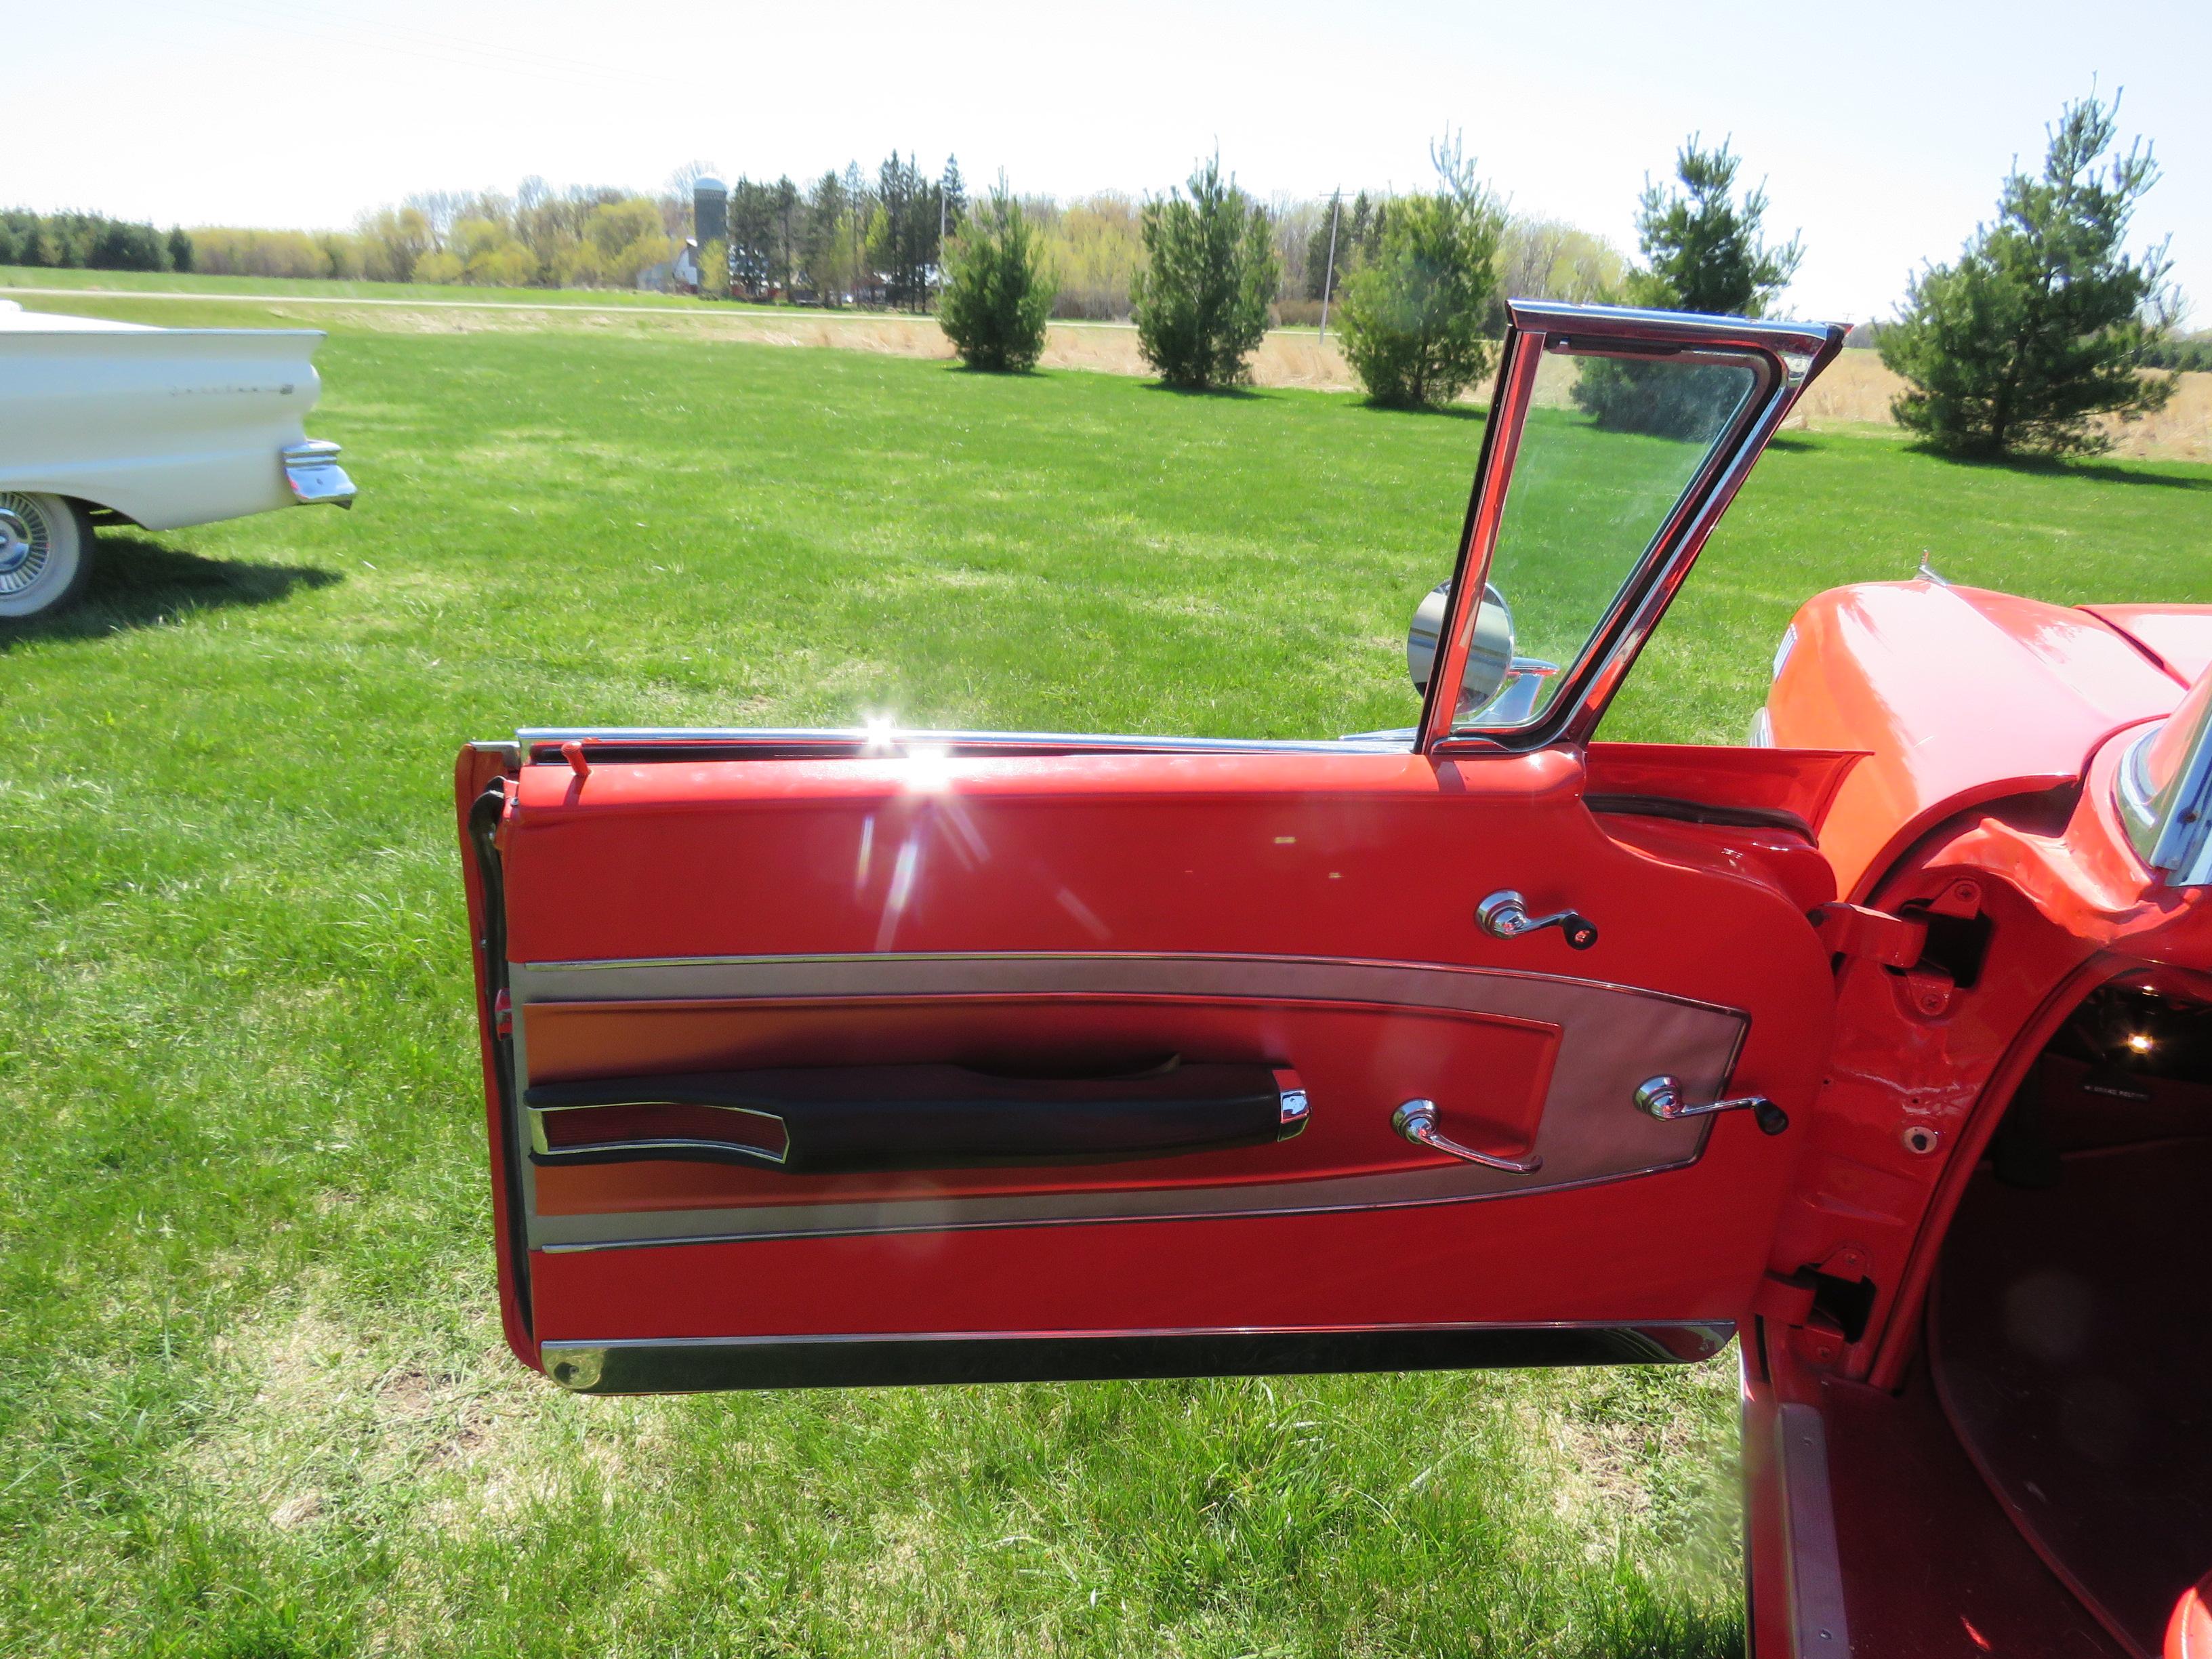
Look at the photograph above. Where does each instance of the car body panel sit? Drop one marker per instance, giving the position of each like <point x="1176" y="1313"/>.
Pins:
<point x="2177" y="636"/>
<point x="166" y="427"/>
<point x="1960" y="695"/>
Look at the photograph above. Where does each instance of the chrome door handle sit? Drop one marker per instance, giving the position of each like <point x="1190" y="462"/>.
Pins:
<point x="1504" y="915"/>
<point x="1417" y="1121"/>
<point x="1662" y="1097"/>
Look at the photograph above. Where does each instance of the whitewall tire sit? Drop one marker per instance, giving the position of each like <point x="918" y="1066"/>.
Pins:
<point x="46" y="554"/>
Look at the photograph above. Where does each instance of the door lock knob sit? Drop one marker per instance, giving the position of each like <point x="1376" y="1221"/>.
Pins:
<point x="1504" y="915"/>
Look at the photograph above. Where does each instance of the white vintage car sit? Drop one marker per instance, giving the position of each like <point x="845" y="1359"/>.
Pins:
<point x="160" y="427"/>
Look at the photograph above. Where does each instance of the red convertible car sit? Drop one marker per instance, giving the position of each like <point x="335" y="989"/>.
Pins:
<point x="1882" y="1044"/>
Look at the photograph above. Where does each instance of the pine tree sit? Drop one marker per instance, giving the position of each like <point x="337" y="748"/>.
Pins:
<point x="786" y="208"/>
<point x="1324" y="247"/>
<point x="752" y="238"/>
<point x="1703" y="252"/>
<point x="1417" y="316"/>
<point x="999" y="287"/>
<point x="952" y="191"/>
<point x="859" y="213"/>
<point x="823" y="253"/>
<point x="2043" y="323"/>
<point x="1210" y="274"/>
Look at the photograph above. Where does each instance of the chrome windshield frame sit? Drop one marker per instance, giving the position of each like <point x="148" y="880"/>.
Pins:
<point x="1789" y="356"/>
<point x="2171" y="828"/>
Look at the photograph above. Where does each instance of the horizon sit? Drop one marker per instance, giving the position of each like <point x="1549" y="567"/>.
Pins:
<point x="1881" y="167"/>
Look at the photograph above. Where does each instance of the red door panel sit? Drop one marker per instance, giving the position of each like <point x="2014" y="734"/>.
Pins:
<point x="1096" y="914"/>
<point x="729" y="977"/>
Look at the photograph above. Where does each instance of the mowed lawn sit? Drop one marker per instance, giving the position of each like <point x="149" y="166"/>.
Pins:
<point x="255" y="1401"/>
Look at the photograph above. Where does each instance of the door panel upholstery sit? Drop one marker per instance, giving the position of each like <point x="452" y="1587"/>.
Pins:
<point x="1095" y="913"/>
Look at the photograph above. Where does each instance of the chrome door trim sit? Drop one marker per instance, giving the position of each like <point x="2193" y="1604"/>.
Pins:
<point x="1589" y="1131"/>
<point x="1808" y="1517"/>
<point x="527" y="975"/>
<point x="892" y="743"/>
<point x="699" y="1364"/>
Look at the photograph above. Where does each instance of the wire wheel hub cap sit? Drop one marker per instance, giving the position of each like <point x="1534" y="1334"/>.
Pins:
<point x="24" y="540"/>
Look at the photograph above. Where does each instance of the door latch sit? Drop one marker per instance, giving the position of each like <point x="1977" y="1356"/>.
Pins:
<point x="1504" y="915"/>
<point x="1417" y="1121"/>
<point x="1661" y="1097"/>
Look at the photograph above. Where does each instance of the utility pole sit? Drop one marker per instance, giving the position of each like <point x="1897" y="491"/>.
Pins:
<point x="1328" y="276"/>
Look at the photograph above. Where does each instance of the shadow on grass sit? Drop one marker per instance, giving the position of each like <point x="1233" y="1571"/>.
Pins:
<point x="137" y="583"/>
<point x="1475" y="412"/>
<point x="1226" y="393"/>
<point x="2043" y="466"/>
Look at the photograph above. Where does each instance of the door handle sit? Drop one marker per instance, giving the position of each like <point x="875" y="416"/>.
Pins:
<point x="1504" y="915"/>
<point x="1417" y="1121"/>
<point x="831" y="1119"/>
<point x="1662" y="1097"/>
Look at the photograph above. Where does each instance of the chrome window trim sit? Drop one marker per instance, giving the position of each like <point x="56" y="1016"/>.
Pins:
<point x="2171" y="830"/>
<point x="1650" y="588"/>
<point x="899" y="743"/>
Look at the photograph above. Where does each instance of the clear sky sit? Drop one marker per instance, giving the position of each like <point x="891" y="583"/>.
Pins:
<point x="1882" y="129"/>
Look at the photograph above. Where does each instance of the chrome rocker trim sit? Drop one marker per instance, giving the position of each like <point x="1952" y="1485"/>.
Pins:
<point x="716" y="1364"/>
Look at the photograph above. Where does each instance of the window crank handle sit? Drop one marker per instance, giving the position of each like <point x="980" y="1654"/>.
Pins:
<point x="1504" y="915"/>
<point x="1662" y="1097"/>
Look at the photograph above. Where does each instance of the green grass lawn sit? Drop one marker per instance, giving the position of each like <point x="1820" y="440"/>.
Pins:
<point x="256" y="1403"/>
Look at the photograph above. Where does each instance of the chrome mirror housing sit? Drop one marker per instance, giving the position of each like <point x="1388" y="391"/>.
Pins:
<point x="1489" y="659"/>
<point x="1506" y="690"/>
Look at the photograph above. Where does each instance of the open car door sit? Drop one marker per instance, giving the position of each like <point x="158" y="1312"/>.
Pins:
<point x="839" y="1057"/>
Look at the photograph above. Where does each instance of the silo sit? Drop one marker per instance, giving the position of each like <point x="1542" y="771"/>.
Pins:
<point x="710" y="210"/>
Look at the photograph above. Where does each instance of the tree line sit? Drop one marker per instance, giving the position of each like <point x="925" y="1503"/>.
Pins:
<point x="89" y="242"/>
<point x="2043" y="324"/>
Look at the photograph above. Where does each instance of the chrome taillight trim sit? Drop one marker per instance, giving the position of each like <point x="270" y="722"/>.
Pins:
<point x="314" y="475"/>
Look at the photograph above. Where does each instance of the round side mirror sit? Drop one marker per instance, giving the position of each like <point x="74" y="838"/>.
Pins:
<point x="1489" y="658"/>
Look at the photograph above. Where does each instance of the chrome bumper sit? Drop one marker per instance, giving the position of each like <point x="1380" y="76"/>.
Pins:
<point x="312" y="470"/>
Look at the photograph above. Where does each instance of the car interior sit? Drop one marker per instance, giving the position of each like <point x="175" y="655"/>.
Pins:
<point x="2067" y="1345"/>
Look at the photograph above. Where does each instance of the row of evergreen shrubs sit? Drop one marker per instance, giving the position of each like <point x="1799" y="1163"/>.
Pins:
<point x="88" y="241"/>
<point x="2042" y="324"/>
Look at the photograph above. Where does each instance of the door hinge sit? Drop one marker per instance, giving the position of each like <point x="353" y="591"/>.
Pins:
<point x="1820" y="1309"/>
<point x="1855" y="930"/>
<point x="1935" y="948"/>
